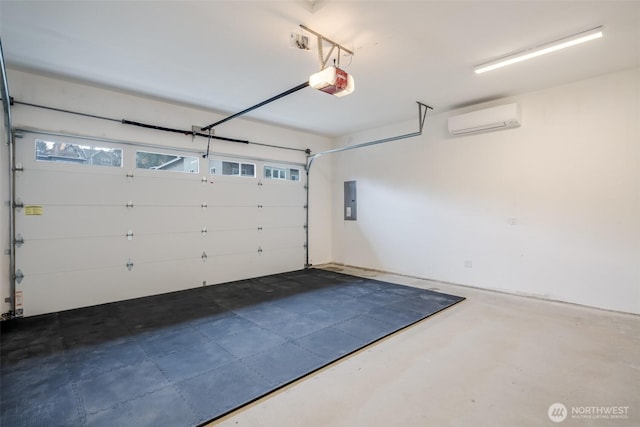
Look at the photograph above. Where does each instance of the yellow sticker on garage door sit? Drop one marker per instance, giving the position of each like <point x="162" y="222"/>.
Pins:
<point x="33" y="210"/>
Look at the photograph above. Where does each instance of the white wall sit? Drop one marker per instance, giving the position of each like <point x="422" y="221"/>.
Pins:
<point x="55" y="92"/>
<point x="569" y="179"/>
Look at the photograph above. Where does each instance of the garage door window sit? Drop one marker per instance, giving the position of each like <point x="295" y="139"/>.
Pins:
<point x="166" y="162"/>
<point x="229" y="168"/>
<point x="66" y="152"/>
<point x="272" y="172"/>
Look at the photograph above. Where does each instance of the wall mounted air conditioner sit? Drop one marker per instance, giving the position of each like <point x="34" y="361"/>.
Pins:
<point x="490" y="119"/>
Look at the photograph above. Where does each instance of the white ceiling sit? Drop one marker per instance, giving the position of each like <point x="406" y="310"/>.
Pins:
<point x="229" y="55"/>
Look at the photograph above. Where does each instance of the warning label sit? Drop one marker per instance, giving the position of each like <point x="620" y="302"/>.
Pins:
<point x="33" y="210"/>
<point x="18" y="299"/>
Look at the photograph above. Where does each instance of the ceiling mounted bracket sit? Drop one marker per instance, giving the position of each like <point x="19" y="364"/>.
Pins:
<point x="321" y="39"/>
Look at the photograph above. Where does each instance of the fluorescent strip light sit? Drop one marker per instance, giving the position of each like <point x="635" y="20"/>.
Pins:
<point x="573" y="40"/>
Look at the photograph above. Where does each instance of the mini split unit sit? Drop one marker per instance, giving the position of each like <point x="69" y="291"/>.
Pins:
<point x="487" y="120"/>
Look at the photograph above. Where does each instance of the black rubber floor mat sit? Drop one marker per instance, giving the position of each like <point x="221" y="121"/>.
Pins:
<point x="188" y="357"/>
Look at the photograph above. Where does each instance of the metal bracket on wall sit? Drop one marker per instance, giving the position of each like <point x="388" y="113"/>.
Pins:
<point x="19" y="240"/>
<point x="422" y="116"/>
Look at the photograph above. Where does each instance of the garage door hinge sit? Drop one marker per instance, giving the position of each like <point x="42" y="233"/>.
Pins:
<point x="19" y="240"/>
<point x="204" y="180"/>
<point x="19" y="275"/>
<point x="130" y="235"/>
<point x="259" y="183"/>
<point x="259" y="249"/>
<point x="305" y="226"/>
<point x="259" y="228"/>
<point x="203" y="205"/>
<point x="129" y="264"/>
<point x="305" y="207"/>
<point x="18" y="205"/>
<point x="129" y="204"/>
<point x="18" y="168"/>
<point x="259" y="206"/>
<point x="204" y="256"/>
<point x="130" y="175"/>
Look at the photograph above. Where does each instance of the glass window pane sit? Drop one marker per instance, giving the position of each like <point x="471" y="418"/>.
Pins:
<point x="230" y="168"/>
<point x="294" y="174"/>
<point x="275" y="173"/>
<point x="248" y="170"/>
<point x="215" y="167"/>
<point x="66" y="152"/>
<point x="166" y="162"/>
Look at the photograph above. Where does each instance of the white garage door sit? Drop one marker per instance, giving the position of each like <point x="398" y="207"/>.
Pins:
<point x="104" y="221"/>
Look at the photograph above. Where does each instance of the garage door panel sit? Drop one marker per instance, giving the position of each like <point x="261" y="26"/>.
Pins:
<point x="173" y="219"/>
<point x="282" y="216"/>
<point x="72" y="221"/>
<point x="156" y="277"/>
<point x="231" y="242"/>
<point x="166" y="189"/>
<point x="273" y="261"/>
<point x="63" y="255"/>
<point x="229" y="218"/>
<point x="231" y="191"/>
<point x="46" y="187"/>
<point x="164" y="247"/>
<point x="282" y="238"/>
<point x="51" y="292"/>
<point x="224" y="268"/>
<point x="81" y="288"/>
<point x="282" y="193"/>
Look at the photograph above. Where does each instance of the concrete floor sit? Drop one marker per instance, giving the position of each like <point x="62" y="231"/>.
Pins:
<point x="492" y="360"/>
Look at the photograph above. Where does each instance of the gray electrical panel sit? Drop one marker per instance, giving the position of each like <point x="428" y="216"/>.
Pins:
<point x="350" y="204"/>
